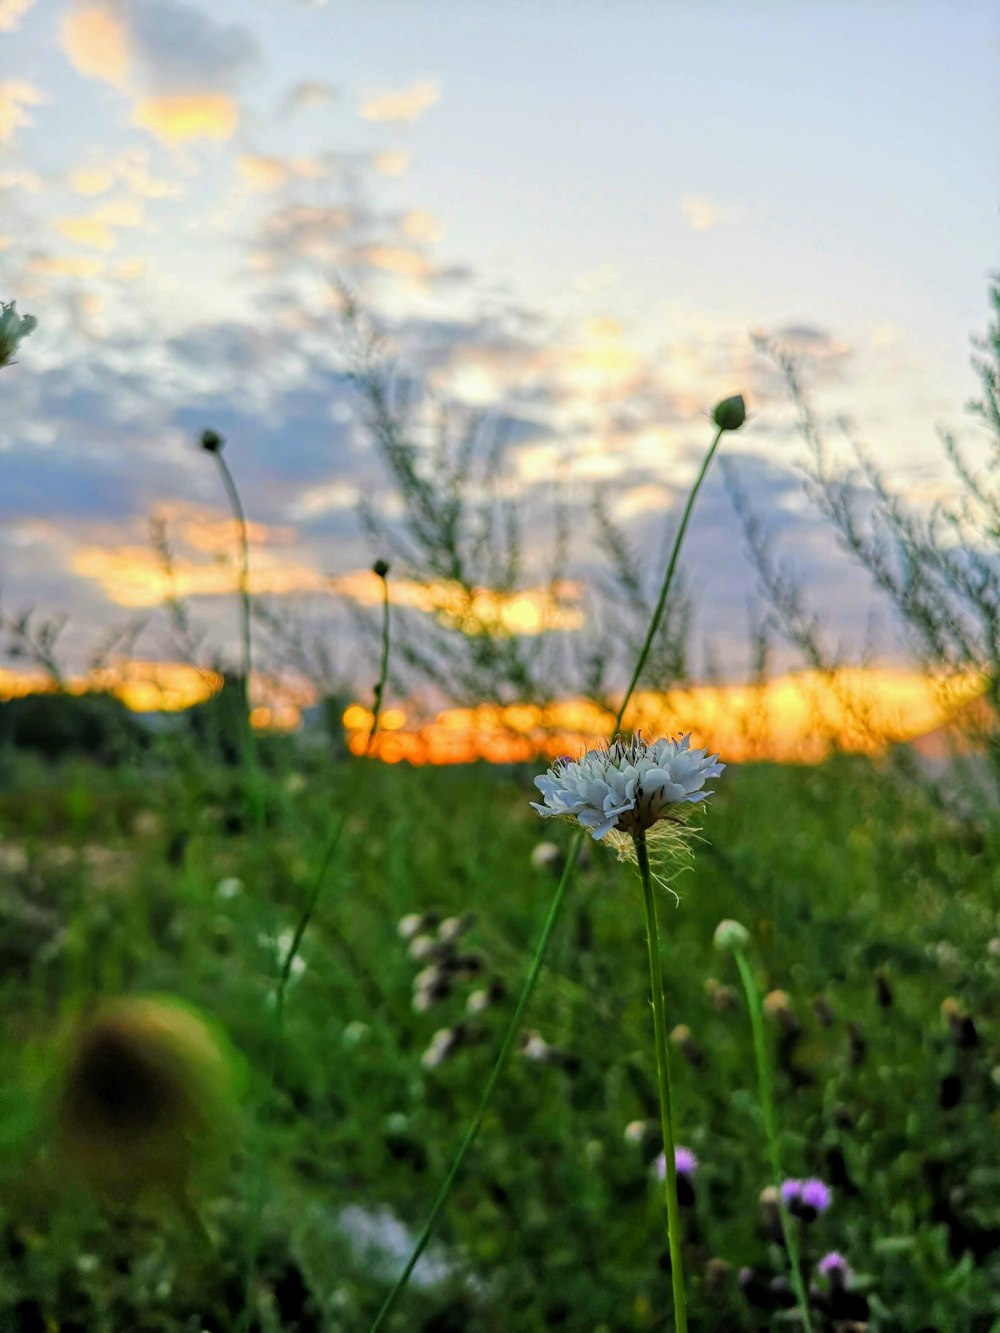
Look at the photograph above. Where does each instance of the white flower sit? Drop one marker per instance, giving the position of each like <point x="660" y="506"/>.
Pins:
<point x="635" y="1131"/>
<point x="628" y="786"/>
<point x="534" y="1047"/>
<point x="409" y="925"/>
<point x="14" y="328"/>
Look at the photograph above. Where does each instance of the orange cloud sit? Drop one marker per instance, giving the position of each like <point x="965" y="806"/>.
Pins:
<point x="483" y="610"/>
<point x="97" y="44"/>
<point x="86" y="231"/>
<point x="15" y="96"/>
<point x="392" y="163"/>
<point x="11" y="13"/>
<point x="145" y="687"/>
<point x="398" y="259"/>
<point x="420" y="226"/>
<point x="177" y="117"/>
<point x="702" y="213"/>
<point x="59" y="266"/>
<point x="263" y="173"/>
<point x="91" y="180"/>
<point x="406" y="104"/>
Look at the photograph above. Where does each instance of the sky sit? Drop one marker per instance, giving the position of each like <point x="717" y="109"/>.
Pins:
<point x="571" y="216"/>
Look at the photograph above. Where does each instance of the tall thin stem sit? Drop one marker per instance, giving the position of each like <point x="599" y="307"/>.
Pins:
<point x="663" y="1083"/>
<point x="668" y="579"/>
<point x="771" y="1129"/>
<point x="383" y="671"/>
<point x="243" y="578"/>
<point x="487" y="1093"/>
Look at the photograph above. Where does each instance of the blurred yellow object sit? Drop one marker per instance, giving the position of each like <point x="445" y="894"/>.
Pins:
<point x="147" y="1093"/>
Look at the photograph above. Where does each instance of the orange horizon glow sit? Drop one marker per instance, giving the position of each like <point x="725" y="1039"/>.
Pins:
<point x="794" y="718"/>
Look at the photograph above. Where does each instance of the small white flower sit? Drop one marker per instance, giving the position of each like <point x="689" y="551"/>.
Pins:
<point x="478" y="1001"/>
<point x="535" y="1047"/>
<point x="227" y="889"/>
<point x="421" y="947"/>
<point x="628" y="786"/>
<point x="14" y="328"/>
<point x="409" y="925"/>
<point x="452" y="928"/>
<point x="354" y="1033"/>
<point x="635" y="1131"/>
<point x="282" y="945"/>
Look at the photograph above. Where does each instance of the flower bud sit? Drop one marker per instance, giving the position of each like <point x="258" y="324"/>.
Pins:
<point x="211" y="441"/>
<point x="731" y="936"/>
<point x="380" y="568"/>
<point x="731" y="413"/>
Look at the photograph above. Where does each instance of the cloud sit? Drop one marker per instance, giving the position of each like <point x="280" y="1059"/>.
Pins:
<point x="11" y="13"/>
<point x="702" y="213"/>
<point x="96" y="41"/>
<point x="405" y="104"/>
<point x="86" y="231"/>
<point x="90" y="180"/>
<point x="309" y="93"/>
<point x="129" y="169"/>
<point x="134" y="576"/>
<point x="392" y="163"/>
<point x="529" y="611"/>
<point x="274" y="173"/>
<point x="181" y="116"/>
<point x="15" y="96"/>
<point x="397" y="259"/>
<point x="180" y="66"/>
<point x="420" y="226"/>
<point x="57" y="266"/>
<point x="97" y="229"/>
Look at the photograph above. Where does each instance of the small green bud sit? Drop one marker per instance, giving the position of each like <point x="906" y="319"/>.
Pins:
<point x="381" y="568"/>
<point x="731" y="413"/>
<point x="211" y="441"/>
<point x="731" y="936"/>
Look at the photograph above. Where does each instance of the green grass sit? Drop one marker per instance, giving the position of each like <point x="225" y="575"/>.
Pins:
<point x="556" y="1222"/>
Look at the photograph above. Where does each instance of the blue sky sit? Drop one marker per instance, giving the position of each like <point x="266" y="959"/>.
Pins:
<point x="571" y="213"/>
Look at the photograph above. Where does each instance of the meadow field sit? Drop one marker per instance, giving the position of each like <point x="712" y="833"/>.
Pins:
<point x="874" y="932"/>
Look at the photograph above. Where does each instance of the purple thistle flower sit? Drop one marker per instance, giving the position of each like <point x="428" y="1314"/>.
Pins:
<point x="832" y="1263"/>
<point x="791" y="1190"/>
<point x="806" y="1198"/>
<point x="685" y="1163"/>
<point x="814" y="1194"/>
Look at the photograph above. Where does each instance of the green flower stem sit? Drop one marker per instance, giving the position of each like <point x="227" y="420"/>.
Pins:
<point x="255" y="796"/>
<point x="771" y="1129"/>
<point x="663" y="1083"/>
<point x="383" y="671"/>
<point x="243" y="583"/>
<point x="487" y="1093"/>
<point x="668" y="579"/>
